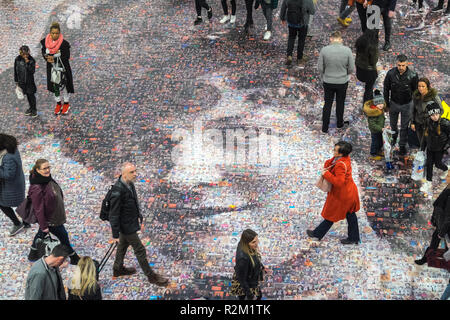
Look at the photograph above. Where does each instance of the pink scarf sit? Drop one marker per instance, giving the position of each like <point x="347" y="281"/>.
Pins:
<point x="53" y="46"/>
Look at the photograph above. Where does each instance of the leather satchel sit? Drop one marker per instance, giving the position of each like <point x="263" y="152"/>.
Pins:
<point x="26" y="212"/>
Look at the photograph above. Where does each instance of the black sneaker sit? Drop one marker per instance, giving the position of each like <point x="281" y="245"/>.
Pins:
<point x="387" y="46"/>
<point x="16" y="229"/>
<point x="310" y="234"/>
<point x="288" y="61"/>
<point x="28" y="112"/>
<point x="421" y="261"/>
<point x="26" y="225"/>
<point x="437" y="8"/>
<point x="198" y="21"/>
<point x="209" y="13"/>
<point x="247" y="26"/>
<point x="33" y="114"/>
<point x="347" y="241"/>
<point x="346" y="124"/>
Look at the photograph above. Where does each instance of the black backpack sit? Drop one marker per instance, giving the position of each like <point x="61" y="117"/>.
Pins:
<point x="106" y="205"/>
<point x="295" y="12"/>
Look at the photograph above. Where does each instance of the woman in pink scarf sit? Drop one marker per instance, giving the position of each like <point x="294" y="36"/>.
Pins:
<point x="56" y="50"/>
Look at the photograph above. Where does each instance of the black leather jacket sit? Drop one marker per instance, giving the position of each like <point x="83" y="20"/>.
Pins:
<point x="247" y="274"/>
<point x="125" y="213"/>
<point x="24" y="74"/>
<point x="441" y="213"/>
<point x="399" y="88"/>
<point x="433" y="141"/>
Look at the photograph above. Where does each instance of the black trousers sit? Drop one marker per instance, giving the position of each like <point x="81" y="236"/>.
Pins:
<point x="353" y="230"/>
<point x="225" y="7"/>
<point x="369" y="77"/>
<point x="31" y="100"/>
<point x="331" y="90"/>
<point x="434" y="158"/>
<point x="199" y="4"/>
<point x="362" y="13"/>
<point x="243" y="297"/>
<point x="249" y="7"/>
<point x="387" y="22"/>
<point x="9" y="212"/>
<point x="301" y="34"/>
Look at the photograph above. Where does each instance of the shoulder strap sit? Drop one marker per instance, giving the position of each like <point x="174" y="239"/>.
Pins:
<point x="344" y="166"/>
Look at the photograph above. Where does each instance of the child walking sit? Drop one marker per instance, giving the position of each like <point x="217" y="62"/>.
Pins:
<point x="374" y="110"/>
<point x="435" y="139"/>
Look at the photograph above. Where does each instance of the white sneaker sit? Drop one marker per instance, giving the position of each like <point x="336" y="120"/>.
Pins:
<point x="444" y="174"/>
<point x="233" y="19"/>
<point x="267" y="35"/>
<point x="426" y="187"/>
<point x="224" y="19"/>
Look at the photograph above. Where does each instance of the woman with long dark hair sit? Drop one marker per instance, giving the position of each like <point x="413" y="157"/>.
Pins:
<point x="12" y="181"/>
<point x="366" y="61"/>
<point x="249" y="269"/>
<point x="48" y="204"/>
<point x="56" y="50"/>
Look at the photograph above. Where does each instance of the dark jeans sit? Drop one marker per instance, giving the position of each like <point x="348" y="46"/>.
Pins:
<point x="60" y="232"/>
<point x="126" y="240"/>
<point x="225" y="7"/>
<point x="268" y="13"/>
<point x="377" y="143"/>
<point x="340" y="90"/>
<point x="369" y="77"/>
<point x="9" y="212"/>
<point x="387" y="22"/>
<point x="419" y="131"/>
<point x="434" y="158"/>
<point x="362" y="13"/>
<point x="199" y="4"/>
<point x="249" y="7"/>
<point x="405" y="111"/>
<point x="31" y="100"/>
<point x="293" y="33"/>
<point x="344" y="13"/>
<point x="435" y="240"/>
<point x="353" y="230"/>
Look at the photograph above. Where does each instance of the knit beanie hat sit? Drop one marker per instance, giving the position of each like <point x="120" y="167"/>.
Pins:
<point x="377" y="97"/>
<point x="433" y="108"/>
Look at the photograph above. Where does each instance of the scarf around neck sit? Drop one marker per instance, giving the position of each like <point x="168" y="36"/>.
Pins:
<point x="53" y="46"/>
<point x="36" y="178"/>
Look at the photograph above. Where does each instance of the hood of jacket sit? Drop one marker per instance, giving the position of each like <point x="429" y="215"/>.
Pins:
<point x="431" y="94"/>
<point x="372" y="112"/>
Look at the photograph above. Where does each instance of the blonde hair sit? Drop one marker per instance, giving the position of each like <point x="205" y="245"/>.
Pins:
<point x="85" y="277"/>
<point x="38" y="165"/>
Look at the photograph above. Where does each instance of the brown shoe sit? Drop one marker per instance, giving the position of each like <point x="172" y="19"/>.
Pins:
<point x="123" y="272"/>
<point x="158" y="280"/>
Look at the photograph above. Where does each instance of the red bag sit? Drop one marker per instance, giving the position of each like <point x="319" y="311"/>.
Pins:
<point x="435" y="259"/>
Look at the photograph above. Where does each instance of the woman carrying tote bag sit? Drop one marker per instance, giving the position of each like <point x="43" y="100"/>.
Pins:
<point x="343" y="198"/>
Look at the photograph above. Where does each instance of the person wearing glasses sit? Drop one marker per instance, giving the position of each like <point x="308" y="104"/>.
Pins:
<point x="48" y="204"/>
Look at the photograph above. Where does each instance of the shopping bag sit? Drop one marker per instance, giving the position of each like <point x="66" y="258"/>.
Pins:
<point x="418" y="166"/>
<point x="45" y="245"/>
<point x="323" y="184"/>
<point x="435" y="259"/>
<point x="19" y="93"/>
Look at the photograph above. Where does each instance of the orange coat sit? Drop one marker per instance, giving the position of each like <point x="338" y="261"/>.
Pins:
<point x="352" y="2"/>
<point x="343" y="197"/>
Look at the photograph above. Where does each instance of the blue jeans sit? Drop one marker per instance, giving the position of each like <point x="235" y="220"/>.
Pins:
<point x="59" y="231"/>
<point x="353" y="231"/>
<point x="377" y="143"/>
<point x="446" y="294"/>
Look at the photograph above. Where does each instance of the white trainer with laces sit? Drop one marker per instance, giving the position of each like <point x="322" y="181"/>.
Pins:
<point x="233" y="19"/>
<point x="444" y="174"/>
<point x="267" y="35"/>
<point x="224" y="19"/>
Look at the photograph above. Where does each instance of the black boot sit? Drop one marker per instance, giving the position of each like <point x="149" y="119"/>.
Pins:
<point x="423" y="260"/>
<point x="198" y="21"/>
<point x="439" y="7"/>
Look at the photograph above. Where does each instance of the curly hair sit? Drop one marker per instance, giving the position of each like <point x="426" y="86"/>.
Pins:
<point x="8" y="142"/>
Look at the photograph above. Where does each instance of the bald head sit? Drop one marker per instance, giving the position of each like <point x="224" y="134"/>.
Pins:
<point x="129" y="172"/>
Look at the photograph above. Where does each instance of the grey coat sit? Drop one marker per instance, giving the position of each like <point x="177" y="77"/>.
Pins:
<point x="12" y="180"/>
<point x="42" y="283"/>
<point x="336" y="63"/>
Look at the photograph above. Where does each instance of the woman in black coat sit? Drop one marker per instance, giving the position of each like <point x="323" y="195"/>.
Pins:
<point x="440" y="220"/>
<point x="54" y="47"/>
<point x="24" y="68"/>
<point x="249" y="269"/>
<point x="366" y="61"/>
<point x="12" y="181"/>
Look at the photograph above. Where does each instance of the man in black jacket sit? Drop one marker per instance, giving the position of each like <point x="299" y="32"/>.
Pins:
<point x="24" y="68"/>
<point x="126" y="219"/>
<point x="399" y="85"/>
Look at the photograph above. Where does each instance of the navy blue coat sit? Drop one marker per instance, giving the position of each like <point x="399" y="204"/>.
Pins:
<point x="12" y="180"/>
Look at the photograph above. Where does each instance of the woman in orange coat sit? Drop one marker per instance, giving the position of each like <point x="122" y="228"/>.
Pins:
<point x="343" y="199"/>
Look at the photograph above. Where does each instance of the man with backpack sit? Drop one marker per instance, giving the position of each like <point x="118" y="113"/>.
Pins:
<point x="125" y="219"/>
<point x="297" y="13"/>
